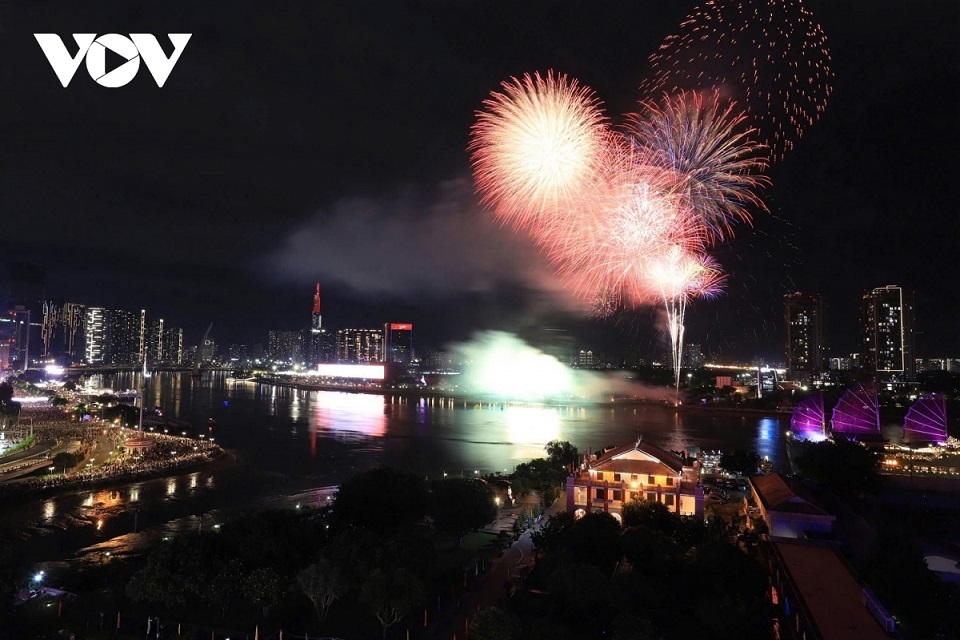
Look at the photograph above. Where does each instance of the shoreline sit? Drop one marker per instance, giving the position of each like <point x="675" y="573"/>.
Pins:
<point x="12" y="494"/>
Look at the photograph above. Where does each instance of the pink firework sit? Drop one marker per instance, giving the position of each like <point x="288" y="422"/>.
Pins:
<point x="537" y="147"/>
<point x="706" y="151"/>
<point x="679" y="276"/>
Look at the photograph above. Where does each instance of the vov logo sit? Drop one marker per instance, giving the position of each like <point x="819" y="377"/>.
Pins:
<point x="94" y="50"/>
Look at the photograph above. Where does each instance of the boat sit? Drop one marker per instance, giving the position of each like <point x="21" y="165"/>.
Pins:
<point x="926" y="420"/>
<point x="808" y="420"/>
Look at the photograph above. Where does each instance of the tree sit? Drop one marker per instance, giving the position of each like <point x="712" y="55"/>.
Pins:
<point x="390" y="595"/>
<point x="65" y="460"/>
<point x="224" y="587"/>
<point x="595" y="538"/>
<point x="263" y="587"/>
<point x="322" y="582"/>
<point x="744" y="463"/>
<point x="462" y="504"/>
<point x="840" y="465"/>
<point x="495" y="624"/>
<point x="561" y="454"/>
<point x="382" y="498"/>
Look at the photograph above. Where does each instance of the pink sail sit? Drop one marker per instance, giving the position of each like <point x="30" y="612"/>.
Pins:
<point x="926" y="421"/>
<point x="857" y="413"/>
<point x="808" y="420"/>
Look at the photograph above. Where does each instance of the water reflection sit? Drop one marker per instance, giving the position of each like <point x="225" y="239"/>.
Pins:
<point x="529" y="428"/>
<point x="360" y="413"/>
<point x="49" y="510"/>
<point x="171" y="486"/>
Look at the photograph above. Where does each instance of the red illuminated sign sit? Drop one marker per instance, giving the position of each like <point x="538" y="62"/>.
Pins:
<point x="401" y="327"/>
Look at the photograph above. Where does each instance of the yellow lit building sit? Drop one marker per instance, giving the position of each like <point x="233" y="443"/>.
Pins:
<point x="638" y="471"/>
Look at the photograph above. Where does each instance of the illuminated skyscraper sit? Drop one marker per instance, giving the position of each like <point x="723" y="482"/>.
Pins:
<point x="359" y="345"/>
<point x="887" y="325"/>
<point x="803" y="315"/>
<point x="398" y="342"/>
<point x="316" y="324"/>
<point x="164" y="344"/>
<point x="114" y="336"/>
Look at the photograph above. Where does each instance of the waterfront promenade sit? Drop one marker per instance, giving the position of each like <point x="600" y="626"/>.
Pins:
<point x="98" y="451"/>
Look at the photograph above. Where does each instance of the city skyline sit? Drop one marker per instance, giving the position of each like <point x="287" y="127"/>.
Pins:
<point x="329" y="144"/>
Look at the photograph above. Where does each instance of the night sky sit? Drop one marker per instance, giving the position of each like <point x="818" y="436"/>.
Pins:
<point x="299" y="142"/>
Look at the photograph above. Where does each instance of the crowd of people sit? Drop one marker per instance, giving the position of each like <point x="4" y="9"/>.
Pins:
<point x="55" y="425"/>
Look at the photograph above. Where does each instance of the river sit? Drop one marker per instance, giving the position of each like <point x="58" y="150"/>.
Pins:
<point x="287" y="447"/>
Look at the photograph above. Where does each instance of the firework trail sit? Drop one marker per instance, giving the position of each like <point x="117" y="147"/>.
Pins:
<point x="537" y="147"/>
<point x="679" y="276"/>
<point x="768" y="55"/>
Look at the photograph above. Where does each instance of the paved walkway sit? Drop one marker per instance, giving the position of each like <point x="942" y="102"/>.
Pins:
<point x="505" y="574"/>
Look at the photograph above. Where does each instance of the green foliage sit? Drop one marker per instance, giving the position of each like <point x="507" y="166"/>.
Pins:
<point x="650" y="552"/>
<point x="263" y="587"/>
<point x="65" y="460"/>
<point x="224" y="587"/>
<point x="554" y="535"/>
<point x="595" y="539"/>
<point x="323" y="582"/>
<point x="898" y="573"/>
<point x="561" y="453"/>
<point x="744" y="463"/>
<point x="843" y="466"/>
<point x="381" y="499"/>
<point x="390" y="594"/>
<point x="59" y="401"/>
<point x="462" y="504"/>
<point x="628" y="626"/>
<point x="495" y="624"/>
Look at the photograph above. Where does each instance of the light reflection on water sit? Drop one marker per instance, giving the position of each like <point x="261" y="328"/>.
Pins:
<point x="289" y="443"/>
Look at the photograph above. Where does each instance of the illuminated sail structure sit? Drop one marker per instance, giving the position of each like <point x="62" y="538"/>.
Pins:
<point x="857" y="414"/>
<point x="926" y="421"/>
<point x="808" y="420"/>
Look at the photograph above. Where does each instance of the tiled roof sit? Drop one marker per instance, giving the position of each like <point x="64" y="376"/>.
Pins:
<point x="640" y="467"/>
<point x="776" y="495"/>
<point x="670" y="463"/>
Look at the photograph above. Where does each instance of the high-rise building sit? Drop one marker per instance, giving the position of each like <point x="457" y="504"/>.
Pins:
<point x="164" y="344"/>
<point x="693" y="357"/>
<point x="398" y="342"/>
<point x="359" y="345"/>
<point x="21" y="323"/>
<point x="285" y="346"/>
<point x="61" y="331"/>
<point x="316" y="321"/>
<point x="803" y="315"/>
<point x="887" y="326"/>
<point x="114" y="336"/>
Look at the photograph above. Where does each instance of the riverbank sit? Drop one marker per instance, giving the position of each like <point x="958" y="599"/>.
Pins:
<point x="26" y="489"/>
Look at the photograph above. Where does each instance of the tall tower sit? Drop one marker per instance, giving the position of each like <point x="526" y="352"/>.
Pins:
<point x="316" y="324"/>
<point x="803" y="315"/>
<point x="887" y="326"/>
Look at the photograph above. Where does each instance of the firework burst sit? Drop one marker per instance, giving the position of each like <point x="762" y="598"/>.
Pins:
<point x="537" y="147"/>
<point x="706" y="155"/>
<point x="768" y="55"/>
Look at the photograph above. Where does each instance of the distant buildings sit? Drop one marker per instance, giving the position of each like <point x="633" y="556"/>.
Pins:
<point x="803" y="316"/>
<point x="886" y="316"/>
<point x="693" y="357"/>
<point x="285" y="346"/>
